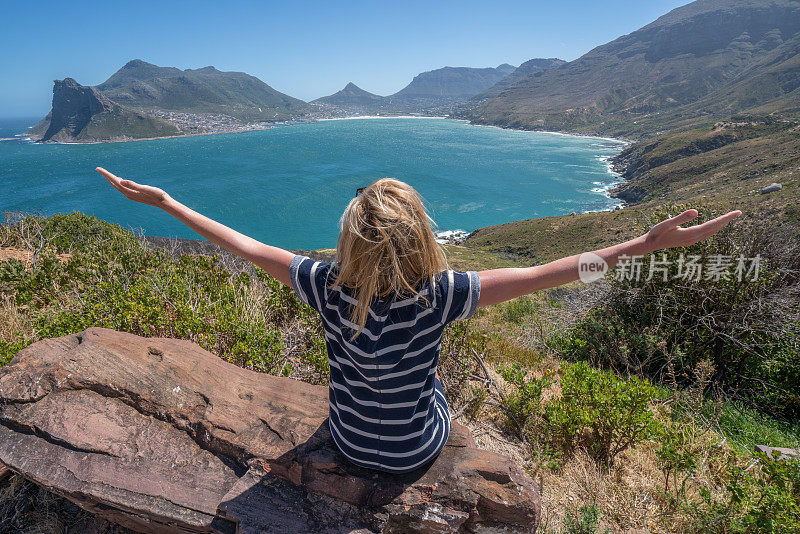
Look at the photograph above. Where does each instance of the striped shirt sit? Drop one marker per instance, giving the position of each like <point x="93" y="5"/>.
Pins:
<point x="387" y="409"/>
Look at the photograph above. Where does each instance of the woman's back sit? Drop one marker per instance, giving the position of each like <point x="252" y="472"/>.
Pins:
<point x="387" y="409"/>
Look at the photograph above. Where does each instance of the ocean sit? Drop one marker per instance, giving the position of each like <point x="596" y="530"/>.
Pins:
<point x="288" y="186"/>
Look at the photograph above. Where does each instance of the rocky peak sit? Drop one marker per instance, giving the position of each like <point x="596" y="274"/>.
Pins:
<point x="74" y="105"/>
<point x="136" y="63"/>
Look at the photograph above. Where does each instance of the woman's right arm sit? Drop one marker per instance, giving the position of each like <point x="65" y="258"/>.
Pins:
<point x="500" y="285"/>
<point x="274" y="260"/>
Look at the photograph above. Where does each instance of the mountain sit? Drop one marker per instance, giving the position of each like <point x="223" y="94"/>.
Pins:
<point x="436" y="91"/>
<point x="351" y="95"/>
<point x="703" y="61"/>
<point x="529" y="67"/>
<point x="84" y="114"/>
<point x="450" y="84"/>
<point x="142" y="85"/>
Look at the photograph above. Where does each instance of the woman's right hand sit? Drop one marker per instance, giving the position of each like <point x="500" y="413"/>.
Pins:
<point x="146" y="194"/>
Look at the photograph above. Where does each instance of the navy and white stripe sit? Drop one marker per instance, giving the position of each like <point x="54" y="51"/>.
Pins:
<point x="387" y="410"/>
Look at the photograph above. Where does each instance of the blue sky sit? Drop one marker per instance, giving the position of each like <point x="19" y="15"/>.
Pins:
<point x="305" y="49"/>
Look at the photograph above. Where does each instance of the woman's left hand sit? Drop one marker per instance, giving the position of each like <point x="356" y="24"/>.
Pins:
<point x="669" y="233"/>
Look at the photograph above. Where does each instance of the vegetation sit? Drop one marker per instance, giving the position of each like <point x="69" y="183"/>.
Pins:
<point x="594" y="435"/>
<point x="205" y="90"/>
<point x="665" y="325"/>
<point x="685" y="373"/>
<point x="608" y="413"/>
<point x="107" y="277"/>
<point x="584" y="520"/>
<point x="720" y="162"/>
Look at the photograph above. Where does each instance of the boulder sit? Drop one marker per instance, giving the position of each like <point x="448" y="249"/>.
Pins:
<point x="159" y="435"/>
<point x="781" y="453"/>
<point x="771" y="188"/>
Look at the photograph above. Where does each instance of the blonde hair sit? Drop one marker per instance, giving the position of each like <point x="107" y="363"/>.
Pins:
<point x="386" y="246"/>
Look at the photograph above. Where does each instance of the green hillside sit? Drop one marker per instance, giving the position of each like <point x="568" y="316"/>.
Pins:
<point x="698" y="63"/>
<point x="207" y="90"/>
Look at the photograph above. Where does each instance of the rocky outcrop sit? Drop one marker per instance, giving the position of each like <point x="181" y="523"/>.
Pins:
<point x="74" y="105"/>
<point x="159" y="435"/>
<point x="84" y="114"/>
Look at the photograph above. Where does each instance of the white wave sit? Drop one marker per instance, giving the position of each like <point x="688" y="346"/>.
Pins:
<point x="451" y="236"/>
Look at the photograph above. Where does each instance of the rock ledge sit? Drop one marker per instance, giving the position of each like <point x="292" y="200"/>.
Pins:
<point x="159" y="435"/>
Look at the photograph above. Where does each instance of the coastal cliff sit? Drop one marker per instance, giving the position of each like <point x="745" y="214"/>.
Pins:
<point x="84" y="114"/>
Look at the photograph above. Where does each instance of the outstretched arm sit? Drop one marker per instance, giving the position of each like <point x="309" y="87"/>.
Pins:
<point x="499" y="285"/>
<point x="275" y="261"/>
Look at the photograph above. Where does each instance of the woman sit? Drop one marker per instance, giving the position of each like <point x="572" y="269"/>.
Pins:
<point x="385" y="302"/>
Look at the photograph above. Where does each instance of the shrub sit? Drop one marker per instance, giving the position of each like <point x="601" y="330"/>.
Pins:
<point x="516" y="310"/>
<point x="678" y="456"/>
<point x="747" y="328"/>
<point x="114" y="280"/>
<point x="611" y="413"/>
<point x="584" y="520"/>
<point x="457" y="361"/>
<point x="763" y="498"/>
<point x="525" y="399"/>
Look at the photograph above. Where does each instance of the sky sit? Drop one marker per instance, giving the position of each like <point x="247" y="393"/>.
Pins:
<point x="304" y="49"/>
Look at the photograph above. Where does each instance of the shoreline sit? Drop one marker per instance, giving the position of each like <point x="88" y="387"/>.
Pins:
<point x="107" y="141"/>
<point x="613" y="168"/>
<point x="363" y="117"/>
<point x="622" y="141"/>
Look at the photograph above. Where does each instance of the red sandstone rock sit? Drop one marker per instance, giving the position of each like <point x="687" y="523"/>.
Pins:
<point x="159" y="435"/>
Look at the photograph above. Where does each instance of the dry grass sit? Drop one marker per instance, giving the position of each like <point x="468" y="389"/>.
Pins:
<point x="25" y="256"/>
<point x="10" y="321"/>
<point x="631" y="496"/>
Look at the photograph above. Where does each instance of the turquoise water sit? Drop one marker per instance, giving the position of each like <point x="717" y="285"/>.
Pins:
<point x="288" y="186"/>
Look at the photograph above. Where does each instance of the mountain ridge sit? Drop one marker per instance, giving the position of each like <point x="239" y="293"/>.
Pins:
<point x="658" y="76"/>
<point x="142" y="85"/>
<point x="452" y="82"/>
<point x="436" y="91"/>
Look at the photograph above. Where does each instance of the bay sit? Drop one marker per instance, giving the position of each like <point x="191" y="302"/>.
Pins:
<point x="288" y="186"/>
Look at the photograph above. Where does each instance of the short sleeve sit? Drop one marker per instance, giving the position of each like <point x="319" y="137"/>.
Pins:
<point x="309" y="280"/>
<point x="458" y="293"/>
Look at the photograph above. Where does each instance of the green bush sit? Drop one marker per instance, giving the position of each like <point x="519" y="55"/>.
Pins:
<point x="611" y="414"/>
<point x="764" y="498"/>
<point x="525" y="399"/>
<point x="584" y="520"/>
<point x="747" y="328"/>
<point x="678" y="457"/>
<point x="516" y="310"/>
<point x="113" y="280"/>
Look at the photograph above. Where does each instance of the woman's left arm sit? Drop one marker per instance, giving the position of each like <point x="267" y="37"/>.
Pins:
<point x="274" y="260"/>
<point x="500" y="285"/>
